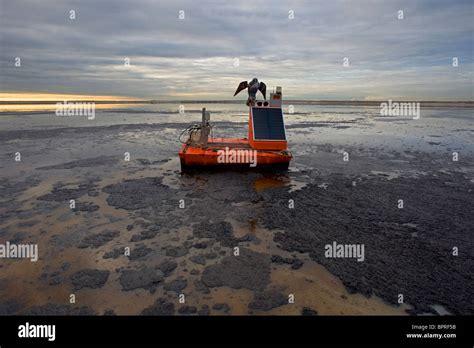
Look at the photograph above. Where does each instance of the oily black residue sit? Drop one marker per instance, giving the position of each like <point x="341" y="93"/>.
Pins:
<point x="408" y="251"/>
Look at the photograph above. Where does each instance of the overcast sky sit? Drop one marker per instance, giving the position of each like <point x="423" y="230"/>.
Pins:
<point x="194" y="57"/>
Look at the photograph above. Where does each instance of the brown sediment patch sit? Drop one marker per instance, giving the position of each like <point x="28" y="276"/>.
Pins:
<point x="402" y="246"/>
<point x="314" y="287"/>
<point x="42" y="188"/>
<point x="22" y="277"/>
<point x="23" y="283"/>
<point x="237" y="300"/>
<point x="271" y="182"/>
<point x="320" y="292"/>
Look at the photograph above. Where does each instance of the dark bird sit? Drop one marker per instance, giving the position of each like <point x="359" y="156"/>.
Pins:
<point x="252" y="86"/>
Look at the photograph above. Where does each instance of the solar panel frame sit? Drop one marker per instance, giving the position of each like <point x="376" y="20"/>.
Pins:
<point x="268" y="124"/>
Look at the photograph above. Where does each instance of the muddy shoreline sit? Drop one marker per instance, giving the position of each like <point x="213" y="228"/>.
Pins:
<point x="141" y="234"/>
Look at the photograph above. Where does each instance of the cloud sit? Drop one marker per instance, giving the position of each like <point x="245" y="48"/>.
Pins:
<point x="173" y="58"/>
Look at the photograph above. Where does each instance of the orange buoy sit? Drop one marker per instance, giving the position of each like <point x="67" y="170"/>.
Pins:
<point x="266" y="147"/>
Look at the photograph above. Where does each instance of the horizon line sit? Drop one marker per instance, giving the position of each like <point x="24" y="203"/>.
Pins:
<point x="228" y="101"/>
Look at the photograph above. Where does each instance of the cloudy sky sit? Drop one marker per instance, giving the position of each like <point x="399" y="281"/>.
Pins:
<point x="195" y="57"/>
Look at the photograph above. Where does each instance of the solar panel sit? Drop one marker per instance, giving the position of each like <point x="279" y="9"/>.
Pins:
<point x="268" y="124"/>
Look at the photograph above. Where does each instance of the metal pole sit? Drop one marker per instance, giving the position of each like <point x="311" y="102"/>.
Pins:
<point x="203" y="122"/>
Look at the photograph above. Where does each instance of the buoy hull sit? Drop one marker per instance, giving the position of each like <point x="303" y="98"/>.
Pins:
<point x="232" y="153"/>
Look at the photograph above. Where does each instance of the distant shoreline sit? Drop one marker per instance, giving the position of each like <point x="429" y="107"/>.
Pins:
<point x="468" y="104"/>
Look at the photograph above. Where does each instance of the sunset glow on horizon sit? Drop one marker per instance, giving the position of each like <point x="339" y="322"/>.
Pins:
<point x="41" y="97"/>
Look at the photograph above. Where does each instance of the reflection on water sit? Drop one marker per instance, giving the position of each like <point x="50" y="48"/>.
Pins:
<point x="19" y="108"/>
<point x="437" y="129"/>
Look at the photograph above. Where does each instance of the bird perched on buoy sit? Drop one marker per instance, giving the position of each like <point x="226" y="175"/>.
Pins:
<point x="253" y="87"/>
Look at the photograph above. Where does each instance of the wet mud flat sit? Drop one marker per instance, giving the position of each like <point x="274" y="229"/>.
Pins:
<point x="142" y="236"/>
